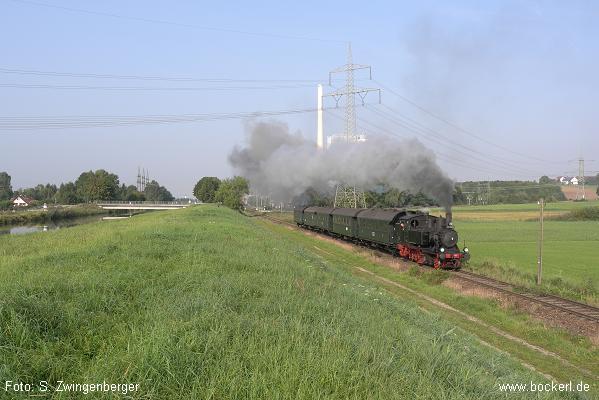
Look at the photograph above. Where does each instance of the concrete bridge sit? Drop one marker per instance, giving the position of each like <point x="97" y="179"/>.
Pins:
<point x="144" y="205"/>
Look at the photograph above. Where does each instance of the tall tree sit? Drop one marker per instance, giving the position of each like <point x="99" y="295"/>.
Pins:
<point x="155" y="192"/>
<point x="206" y="188"/>
<point x="98" y="185"/>
<point x="67" y="194"/>
<point x="5" y="186"/>
<point x="130" y="193"/>
<point x="231" y="192"/>
<point x="43" y="193"/>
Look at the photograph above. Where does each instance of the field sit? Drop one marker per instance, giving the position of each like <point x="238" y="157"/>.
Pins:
<point x="207" y="303"/>
<point x="513" y="212"/>
<point x="503" y="240"/>
<point x="569" y="254"/>
<point x="571" y="190"/>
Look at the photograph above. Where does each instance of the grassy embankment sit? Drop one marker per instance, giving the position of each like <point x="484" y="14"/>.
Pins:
<point x="51" y="214"/>
<point x="576" y="350"/>
<point x="206" y="303"/>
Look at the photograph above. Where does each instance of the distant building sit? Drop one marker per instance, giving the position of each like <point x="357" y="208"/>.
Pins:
<point x="565" y="180"/>
<point x="342" y="138"/>
<point x="22" y="201"/>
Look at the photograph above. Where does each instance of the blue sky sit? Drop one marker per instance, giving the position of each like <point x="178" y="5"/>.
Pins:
<point x="520" y="77"/>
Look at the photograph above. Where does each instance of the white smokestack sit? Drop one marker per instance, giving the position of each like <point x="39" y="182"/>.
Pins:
<point x="319" y="130"/>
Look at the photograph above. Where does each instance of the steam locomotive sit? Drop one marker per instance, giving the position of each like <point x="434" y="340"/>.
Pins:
<point x="410" y="234"/>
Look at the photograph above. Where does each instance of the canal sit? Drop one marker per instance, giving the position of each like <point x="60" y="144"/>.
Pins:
<point x="47" y="226"/>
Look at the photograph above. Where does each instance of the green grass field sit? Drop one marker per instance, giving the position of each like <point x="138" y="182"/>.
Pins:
<point x="556" y="206"/>
<point x="570" y="253"/>
<point x="503" y="239"/>
<point x="207" y="303"/>
<point x="504" y="243"/>
<point x="512" y="212"/>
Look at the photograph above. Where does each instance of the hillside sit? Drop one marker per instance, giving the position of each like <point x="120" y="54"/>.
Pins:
<point x="207" y="303"/>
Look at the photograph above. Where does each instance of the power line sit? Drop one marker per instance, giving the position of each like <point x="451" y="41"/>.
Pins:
<point x="421" y="130"/>
<point x="450" y="158"/>
<point x="179" y="24"/>
<point x="394" y="114"/>
<point x="455" y="126"/>
<point x="399" y="119"/>
<point x="441" y="155"/>
<point x="71" y="122"/>
<point x="142" y="88"/>
<point x="142" y="77"/>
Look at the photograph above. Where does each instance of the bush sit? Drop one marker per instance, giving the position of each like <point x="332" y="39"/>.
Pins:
<point x="580" y="214"/>
<point x="205" y="189"/>
<point x="231" y="192"/>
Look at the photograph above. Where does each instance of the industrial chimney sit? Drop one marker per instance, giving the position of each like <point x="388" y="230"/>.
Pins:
<point x="319" y="130"/>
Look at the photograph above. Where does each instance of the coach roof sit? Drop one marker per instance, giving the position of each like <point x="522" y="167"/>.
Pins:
<point x="347" y="212"/>
<point x="388" y="215"/>
<point x="319" y="210"/>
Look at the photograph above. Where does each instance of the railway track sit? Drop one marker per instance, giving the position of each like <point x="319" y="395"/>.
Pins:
<point x="574" y="308"/>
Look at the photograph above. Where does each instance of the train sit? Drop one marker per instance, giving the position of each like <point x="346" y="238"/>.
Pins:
<point x="410" y="234"/>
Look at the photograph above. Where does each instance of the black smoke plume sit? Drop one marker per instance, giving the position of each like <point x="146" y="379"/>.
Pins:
<point x="285" y="165"/>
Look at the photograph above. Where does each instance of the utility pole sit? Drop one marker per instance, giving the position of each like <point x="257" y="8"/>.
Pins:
<point x="540" y="256"/>
<point x="346" y="193"/>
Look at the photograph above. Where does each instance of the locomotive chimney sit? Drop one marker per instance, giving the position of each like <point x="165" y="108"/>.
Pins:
<point x="448" y="217"/>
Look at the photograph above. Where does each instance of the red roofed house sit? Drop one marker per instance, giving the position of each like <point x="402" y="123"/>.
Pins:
<point x="22" y="201"/>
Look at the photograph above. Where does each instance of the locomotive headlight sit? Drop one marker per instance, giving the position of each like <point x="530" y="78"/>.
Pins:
<point x="466" y="250"/>
<point x="442" y="249"/>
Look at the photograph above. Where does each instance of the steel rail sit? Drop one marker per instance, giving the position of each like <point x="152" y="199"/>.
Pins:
<point x="581" y="310"/>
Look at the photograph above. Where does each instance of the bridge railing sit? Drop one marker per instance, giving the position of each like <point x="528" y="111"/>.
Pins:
<point x="156" y="203"/>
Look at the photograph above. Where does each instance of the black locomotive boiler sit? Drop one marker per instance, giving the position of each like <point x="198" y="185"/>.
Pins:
<point x="411" y="234"/>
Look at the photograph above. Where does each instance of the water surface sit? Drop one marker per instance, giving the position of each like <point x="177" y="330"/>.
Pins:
<point x="47" y="226"/>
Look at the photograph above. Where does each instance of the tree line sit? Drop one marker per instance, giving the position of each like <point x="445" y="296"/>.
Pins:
<point x="90" y="186"/>
<point x="229" y="192"/>
<point x="508" y="192"/>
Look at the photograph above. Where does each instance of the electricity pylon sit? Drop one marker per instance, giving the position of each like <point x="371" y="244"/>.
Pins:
<point x="580" y="189"/>
<point x="143" y="178"/>
<point x="347" y="194"/>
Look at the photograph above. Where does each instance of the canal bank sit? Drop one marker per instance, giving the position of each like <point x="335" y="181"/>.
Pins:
<point x="51" y="214"/>
<point x="47" y="226"/>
